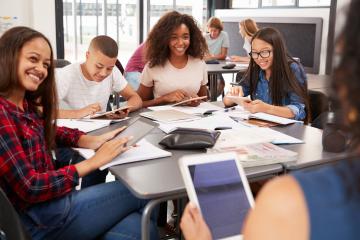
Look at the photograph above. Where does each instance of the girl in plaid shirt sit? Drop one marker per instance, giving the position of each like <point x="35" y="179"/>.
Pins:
<point x="45" y="196"/>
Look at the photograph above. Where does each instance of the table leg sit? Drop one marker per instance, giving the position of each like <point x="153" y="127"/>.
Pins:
<point x="145" y="219"/>
<point x="213" y="86"/>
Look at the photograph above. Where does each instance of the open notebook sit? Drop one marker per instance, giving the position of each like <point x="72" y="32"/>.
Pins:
<point x="167" y="116"/>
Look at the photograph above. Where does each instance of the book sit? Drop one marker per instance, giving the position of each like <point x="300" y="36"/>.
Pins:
<point x="182" y="103"/>
<point x="259" y="154"/>
<point x="142" y="151"/>
<point x="104" y="115"/>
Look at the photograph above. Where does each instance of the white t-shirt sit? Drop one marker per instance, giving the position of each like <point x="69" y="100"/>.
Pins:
<point x="167" y="78"/>
<point x="216" y="44"/>
<point x="75" y="91"/>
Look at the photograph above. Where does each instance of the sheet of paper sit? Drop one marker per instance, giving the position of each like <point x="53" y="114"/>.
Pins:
<point x="202" y="108"/>
<point x="279" y="138"/>
<point x="85" y="125"/>
<point x="273" y="118"/>
<point x="240" y="137"/>
<point x="210" y="123"/>
<point x="143" y="151"/>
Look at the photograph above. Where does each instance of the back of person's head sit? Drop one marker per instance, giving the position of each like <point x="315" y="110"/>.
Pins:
<point x="157" y="44"/>
<point x="282" y="79"/>
<point x="11" y="44"/>
<point x="215" y="22"/>
<point x="106" y="45"/>
<point x="346" y="75"/>
<point x="249" y="27"/>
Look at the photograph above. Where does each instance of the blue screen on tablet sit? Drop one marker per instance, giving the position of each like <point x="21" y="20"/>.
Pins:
<point x="222" y="197"/>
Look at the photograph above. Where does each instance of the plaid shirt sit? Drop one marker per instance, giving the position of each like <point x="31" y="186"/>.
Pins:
<point x="27" y="172"/>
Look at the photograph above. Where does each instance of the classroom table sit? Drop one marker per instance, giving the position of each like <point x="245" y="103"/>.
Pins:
<point x="214" y="70"/>
<point x="160" y="180"/>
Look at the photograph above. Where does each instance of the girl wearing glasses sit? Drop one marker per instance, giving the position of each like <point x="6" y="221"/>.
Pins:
<point x="175" y="70"/>
<point x="276" y="83"/>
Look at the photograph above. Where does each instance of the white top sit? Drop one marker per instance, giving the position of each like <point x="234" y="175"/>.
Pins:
<point x="216" y="44"/>
<point x="167" y="78"/>
<point x="75" y="91"/>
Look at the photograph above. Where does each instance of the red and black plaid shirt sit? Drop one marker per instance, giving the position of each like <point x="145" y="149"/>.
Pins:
<point x="27" y="172"/>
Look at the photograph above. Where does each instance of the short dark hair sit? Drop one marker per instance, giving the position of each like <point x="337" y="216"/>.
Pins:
<point x="157" y="43"/>
<point x="11" y="43"/>
<point x="105" y="45"/>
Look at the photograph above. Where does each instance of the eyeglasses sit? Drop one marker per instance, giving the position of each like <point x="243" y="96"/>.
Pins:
<point x="263" y="54"/>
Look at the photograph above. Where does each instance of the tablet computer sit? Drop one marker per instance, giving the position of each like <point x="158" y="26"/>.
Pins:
<point x="217" y="184"/>
<point x="239" y="100"/>
<point x="138" y="129"/>
<point x="104" y="115"/>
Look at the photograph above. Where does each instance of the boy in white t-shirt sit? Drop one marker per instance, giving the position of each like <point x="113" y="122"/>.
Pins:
<point x="84" y="89"/>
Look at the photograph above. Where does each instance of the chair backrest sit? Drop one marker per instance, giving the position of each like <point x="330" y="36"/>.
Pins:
<point x="319" y="103"/>
<point x="120" y="66"/>
<point x="60" y="63"/>
<point x="11" y="227"/>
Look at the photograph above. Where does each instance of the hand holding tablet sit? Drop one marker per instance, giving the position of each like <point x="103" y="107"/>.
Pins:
<point x="239" y="100"/>
<point x="188" y="101"/>
<point x="118" y="113"/>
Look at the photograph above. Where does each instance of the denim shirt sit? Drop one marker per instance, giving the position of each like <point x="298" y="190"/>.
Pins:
<point x="292" y="100"/>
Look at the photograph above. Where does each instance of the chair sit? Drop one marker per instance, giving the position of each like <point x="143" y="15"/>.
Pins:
<point x="116" y="99"/>
<point x="60" y="63"/>
<point x="319" y="103"/>
<point x="10" y="225"/>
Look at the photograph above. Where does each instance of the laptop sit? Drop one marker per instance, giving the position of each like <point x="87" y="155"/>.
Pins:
<point x="217" y="184"/>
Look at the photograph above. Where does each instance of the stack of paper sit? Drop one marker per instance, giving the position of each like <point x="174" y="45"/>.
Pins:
<point x="259" y="154"/>
<point x="143" y="151"/>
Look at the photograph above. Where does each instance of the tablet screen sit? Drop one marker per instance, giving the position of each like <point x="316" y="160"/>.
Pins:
<point x="138" y="129"/>
<point x="221" y="196"/>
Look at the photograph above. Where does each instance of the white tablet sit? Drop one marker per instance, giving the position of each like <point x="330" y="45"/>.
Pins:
<point x="239" y="100"/>
<point x="217" y="184"/>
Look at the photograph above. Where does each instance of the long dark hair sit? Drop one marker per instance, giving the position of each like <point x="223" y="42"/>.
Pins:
<point x="282" y="79"/>
<point x="44" y="97"/>
<point x="157" y="43"/>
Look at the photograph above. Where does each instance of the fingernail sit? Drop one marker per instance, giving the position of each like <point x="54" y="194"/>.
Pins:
<point x="192" y="205"/>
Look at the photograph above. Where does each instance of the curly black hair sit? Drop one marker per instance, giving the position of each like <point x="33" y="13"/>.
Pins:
<point x="157" y="50"/>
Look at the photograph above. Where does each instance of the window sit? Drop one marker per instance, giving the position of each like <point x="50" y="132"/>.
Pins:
<point x="157" y="8"/>
<point x="119" y="21"/>
<point x="279" y="3"/>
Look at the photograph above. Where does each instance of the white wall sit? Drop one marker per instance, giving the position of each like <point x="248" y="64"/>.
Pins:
<point x="37" y="14"/>
<point x="285" y="12"/>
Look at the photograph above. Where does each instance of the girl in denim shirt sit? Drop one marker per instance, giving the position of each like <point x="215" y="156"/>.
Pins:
<point x="275" y="82"/>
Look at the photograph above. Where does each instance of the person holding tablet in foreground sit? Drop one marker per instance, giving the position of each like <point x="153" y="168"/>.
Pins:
<point x="43" y="195"/>
<point x="175" y="70"/>
<point x="311" y="204"/>
<point x="276" y="82"/>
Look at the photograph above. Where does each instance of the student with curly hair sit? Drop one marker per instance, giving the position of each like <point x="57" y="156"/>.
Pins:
<point x="175" y="69"/>
<point x="276" y="82"/>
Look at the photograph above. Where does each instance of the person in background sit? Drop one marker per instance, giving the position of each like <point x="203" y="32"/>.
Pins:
<point x="218" y="44"/>
<point x="43" y="195"/>
<point x="324" y="200"/>
<point x="175" y="68"/>
<point x="276" y="82"/>
<point x="134" y="67"/>
<point x="84" y="88"/>
<point x="247" y="29"/>
<point x="217" y="40"/>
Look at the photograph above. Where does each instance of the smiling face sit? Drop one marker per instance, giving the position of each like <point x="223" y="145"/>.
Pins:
<point x="98" y="66"/>
<point x="34" y="62"/>
<point x="258" y="46"/>
<point x="179" y="41"/>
